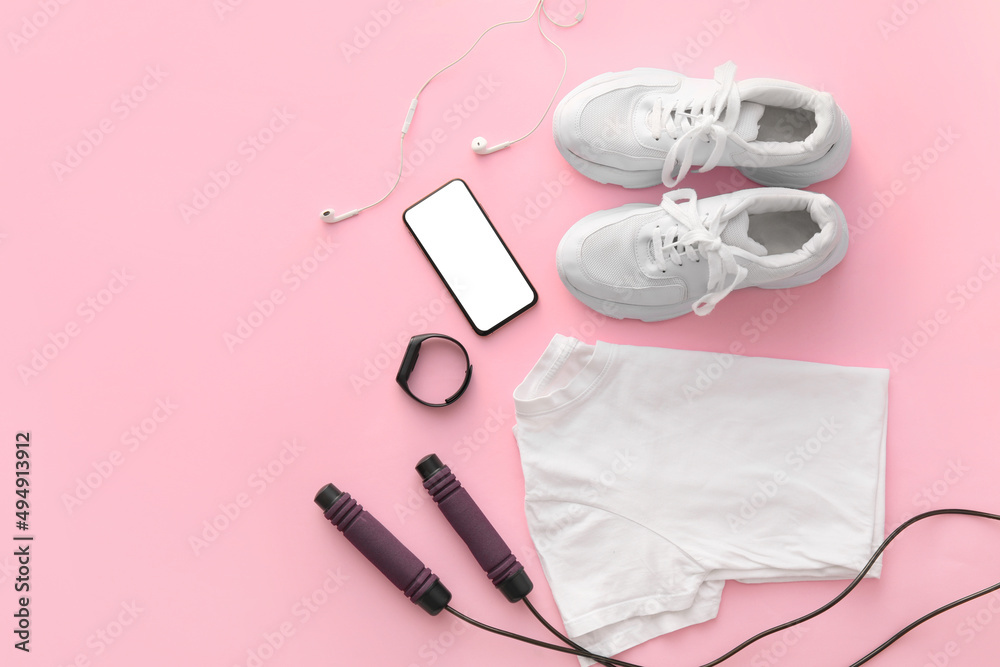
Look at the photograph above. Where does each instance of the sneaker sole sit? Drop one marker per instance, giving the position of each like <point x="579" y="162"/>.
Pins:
<point x="796" y="176"/>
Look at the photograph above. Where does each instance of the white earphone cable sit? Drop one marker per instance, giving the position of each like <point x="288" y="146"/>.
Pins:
<point x="561" y="78"/>
<point x="539" y="9"/>
<point x="399" y="176"/>
<point x="474" y="44"/>
<point x="413" y="104"/>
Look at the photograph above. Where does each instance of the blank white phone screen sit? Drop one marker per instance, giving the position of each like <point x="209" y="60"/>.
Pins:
<point x="466" y="251"/>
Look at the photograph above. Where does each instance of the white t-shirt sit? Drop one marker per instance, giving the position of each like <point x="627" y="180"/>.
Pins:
<point x="653" y="475"/>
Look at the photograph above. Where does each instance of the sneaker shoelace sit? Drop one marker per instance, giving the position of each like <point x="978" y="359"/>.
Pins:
<point x="688" y="122"/>
<point x="694" y="236"/>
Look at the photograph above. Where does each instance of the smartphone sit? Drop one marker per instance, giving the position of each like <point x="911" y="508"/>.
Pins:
<point x="465" y="249"/>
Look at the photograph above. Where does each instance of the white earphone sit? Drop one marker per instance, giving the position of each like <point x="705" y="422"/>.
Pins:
<point x="329" y="215"/>
<point x="479" y="144"/>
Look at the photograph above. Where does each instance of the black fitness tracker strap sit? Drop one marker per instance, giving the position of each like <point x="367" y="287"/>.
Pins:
<point x="410" y="362"/>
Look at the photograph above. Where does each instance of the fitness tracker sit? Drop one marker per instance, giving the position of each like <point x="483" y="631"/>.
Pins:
<point x="410" y="362"/>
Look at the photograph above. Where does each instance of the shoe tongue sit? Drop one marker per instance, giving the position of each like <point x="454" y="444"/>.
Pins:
<point x="747" y="125"/>
<point x="735" y="234"/>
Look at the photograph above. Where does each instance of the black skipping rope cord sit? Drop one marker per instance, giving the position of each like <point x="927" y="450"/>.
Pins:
<point x="926" y="617"/>
<point x="536" y="642"/>
<point x="552" y="629"/>
<point x="576" y="649"/>
<point x="850" y="587"/>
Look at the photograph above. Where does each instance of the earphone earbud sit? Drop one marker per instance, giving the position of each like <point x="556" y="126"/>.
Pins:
<point x="479" y="146"/>
<point x="479" y="143"/>
<point x="329" y="215"/>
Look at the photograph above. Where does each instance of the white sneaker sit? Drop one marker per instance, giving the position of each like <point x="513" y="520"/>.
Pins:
<point x="653" y="262"/>
<point x="648" y="126"/>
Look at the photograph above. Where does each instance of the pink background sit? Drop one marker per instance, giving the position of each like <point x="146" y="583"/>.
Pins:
<point x="919" y="193"/>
